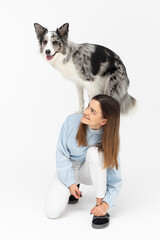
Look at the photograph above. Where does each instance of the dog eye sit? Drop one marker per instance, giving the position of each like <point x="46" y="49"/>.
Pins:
<point x="55" y="42"/>
<point x="45" y="42"/>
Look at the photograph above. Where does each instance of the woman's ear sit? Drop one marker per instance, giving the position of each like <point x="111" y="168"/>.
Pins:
<point x="104" y="121"/>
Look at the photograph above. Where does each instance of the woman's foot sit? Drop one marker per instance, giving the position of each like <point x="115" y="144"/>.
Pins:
<point x="101" y="217"/>
<point x="100" y="222"/>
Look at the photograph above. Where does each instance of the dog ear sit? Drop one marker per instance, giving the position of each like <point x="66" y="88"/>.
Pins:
<point x="40" y="31"/>
<point x="63" y="30"/>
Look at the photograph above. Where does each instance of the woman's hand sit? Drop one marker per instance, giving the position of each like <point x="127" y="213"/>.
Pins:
<point x="100" y="210"/>
<point x="74" y="190"/>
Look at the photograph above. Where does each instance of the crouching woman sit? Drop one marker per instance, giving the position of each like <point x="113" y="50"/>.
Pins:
<point x="88" y="153"/>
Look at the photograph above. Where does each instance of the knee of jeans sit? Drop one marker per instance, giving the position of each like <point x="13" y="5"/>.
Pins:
<point x="92" y="154"/>
<point x="52" y="212"/>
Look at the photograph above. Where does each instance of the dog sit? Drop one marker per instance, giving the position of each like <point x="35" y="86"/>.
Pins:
<point x="95" y="68"/>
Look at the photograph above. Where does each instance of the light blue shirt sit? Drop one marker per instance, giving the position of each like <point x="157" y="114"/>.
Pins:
<point x="68" y="149"/>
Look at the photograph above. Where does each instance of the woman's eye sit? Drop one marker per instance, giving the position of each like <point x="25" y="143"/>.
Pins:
<point x="93" y="111"/>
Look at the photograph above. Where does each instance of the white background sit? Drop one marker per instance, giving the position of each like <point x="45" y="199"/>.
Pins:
<point x="35" y="99"/>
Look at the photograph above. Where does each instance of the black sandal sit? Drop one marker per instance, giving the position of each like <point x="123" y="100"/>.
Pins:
<point x="72" y="199"/>
<point x="101" y="221"/>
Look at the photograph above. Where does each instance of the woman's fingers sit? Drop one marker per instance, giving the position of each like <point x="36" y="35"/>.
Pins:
<point x="92" y="210"/>
<point x="76" y="193"/>
<point x="79" y="192"/>
<point x="97" y="211"/>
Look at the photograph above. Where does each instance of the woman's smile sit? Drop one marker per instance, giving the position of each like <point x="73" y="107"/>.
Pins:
<point x="86" y="117"/>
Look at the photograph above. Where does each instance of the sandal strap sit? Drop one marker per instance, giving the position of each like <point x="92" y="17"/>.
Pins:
<point x="101" y="217"/>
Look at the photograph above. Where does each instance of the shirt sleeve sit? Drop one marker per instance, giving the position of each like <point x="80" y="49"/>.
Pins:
<point x="114" y="184"/>
<point x="63" y="162"/>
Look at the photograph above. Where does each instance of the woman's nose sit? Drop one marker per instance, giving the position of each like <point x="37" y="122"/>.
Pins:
<point x="86" y="111"/>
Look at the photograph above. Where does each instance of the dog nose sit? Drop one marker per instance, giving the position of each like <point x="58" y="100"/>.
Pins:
<point x="47" y="51"/>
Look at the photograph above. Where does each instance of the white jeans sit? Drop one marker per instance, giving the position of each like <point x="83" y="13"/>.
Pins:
<point x="90" y="172"/>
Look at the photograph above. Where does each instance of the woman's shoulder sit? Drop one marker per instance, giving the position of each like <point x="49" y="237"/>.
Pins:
<point x="74" y="118"/>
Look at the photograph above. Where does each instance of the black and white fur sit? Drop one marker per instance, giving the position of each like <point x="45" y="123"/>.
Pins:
<point x="93" y="67"/>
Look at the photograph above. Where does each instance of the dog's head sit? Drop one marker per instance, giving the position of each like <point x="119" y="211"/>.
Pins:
<point x="52" y="42"/>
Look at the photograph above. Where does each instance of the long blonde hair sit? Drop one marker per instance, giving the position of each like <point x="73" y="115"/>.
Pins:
<point x="110" y="138"/>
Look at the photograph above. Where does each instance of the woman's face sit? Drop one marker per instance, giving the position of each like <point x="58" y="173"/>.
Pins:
<point x="92" y="115"/>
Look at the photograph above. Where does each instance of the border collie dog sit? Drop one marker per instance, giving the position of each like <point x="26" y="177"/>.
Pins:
<point x="92" y="67"/>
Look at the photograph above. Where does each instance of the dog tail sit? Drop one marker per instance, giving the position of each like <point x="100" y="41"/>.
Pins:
<point x="127" y="103"/>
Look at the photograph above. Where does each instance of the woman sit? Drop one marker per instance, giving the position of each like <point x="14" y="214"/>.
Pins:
<point x="87" y="153"/>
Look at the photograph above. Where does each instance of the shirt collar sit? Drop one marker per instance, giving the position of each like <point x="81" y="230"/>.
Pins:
<point x="95" y="131"/>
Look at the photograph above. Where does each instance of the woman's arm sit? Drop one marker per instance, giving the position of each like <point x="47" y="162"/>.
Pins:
<point x="63" y="162"/>
<point x="114" y="184"/>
